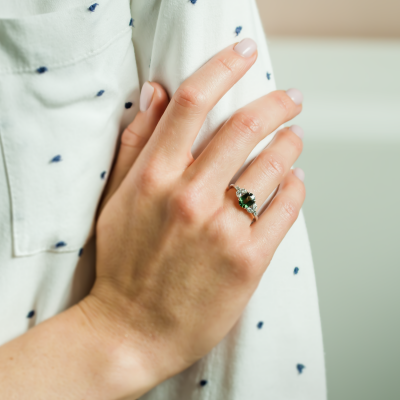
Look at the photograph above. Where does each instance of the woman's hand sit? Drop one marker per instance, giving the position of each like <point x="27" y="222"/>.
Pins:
<point x="177" y="258"/>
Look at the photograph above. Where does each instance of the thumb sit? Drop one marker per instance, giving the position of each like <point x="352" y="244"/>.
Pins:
<point x="153" y="102"/>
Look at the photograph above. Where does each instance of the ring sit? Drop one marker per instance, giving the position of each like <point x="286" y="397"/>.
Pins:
<point x="247" y="200"/>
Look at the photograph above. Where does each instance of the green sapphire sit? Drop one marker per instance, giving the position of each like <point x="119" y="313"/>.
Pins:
<point x="246" y="200"/>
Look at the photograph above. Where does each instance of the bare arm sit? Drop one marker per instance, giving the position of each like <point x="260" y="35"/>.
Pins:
<point x="65" y="357"/>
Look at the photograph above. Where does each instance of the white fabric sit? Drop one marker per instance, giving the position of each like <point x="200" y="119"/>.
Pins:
<point x="47" y="203"/>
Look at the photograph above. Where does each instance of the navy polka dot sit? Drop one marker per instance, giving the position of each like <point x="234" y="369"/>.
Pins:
<point x="80" y="252"/>
<point x="56" y="158"/>
<point x="238" y="30"/>
<point x="93" y="7"/>
<point x="296" y="270"/>
<point x="131" y="22"/>
<point x="268" y="76"/>
<point x="31" y="314"/>
<point x="193" y="1"/>
<point x="300" y="368"/>
<point x="203" y="382"/>
<point x="260" y="325"/>
<point x="60" y="244"/>
<point x="41" y="70"/>
<point x="128" y="105"/>
<point x="100" y="93"/>
<point x="103" y="175"/>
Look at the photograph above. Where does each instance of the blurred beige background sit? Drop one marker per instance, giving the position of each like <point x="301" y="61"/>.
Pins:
<point x="361" y="18"/>
<point x="345" y="57"/>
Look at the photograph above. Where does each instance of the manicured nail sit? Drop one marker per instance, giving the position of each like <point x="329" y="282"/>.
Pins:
<point x="146" y="96"/>
<point x="297" y="130"/>
<point x="246" y="48"/>
<point x="295" y="95"/>
<point x="299" y="173"/>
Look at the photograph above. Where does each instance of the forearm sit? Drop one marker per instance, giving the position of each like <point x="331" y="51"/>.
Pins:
<point x="66" y="358"/>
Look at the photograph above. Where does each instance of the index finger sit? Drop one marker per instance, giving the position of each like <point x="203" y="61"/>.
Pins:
<point x="196" y="96"/>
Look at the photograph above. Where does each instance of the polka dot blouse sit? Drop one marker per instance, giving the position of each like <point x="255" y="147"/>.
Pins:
<point x="66" y="94"/>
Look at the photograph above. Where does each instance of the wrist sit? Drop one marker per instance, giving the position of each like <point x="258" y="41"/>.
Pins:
<point x="133" y="364"/>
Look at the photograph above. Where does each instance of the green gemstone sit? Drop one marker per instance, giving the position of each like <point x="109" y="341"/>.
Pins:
<point x="247" y="200"/>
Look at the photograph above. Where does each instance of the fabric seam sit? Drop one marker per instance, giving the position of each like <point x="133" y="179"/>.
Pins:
<point x="72" y="61"/>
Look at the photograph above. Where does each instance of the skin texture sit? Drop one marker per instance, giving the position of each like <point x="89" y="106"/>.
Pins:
<point x="177" y="258"/>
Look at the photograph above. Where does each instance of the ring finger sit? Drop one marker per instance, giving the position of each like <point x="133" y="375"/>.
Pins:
<point x="267" y="171"/>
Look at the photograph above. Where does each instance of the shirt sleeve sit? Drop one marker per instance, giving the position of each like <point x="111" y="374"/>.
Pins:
<point x="174" y="38"/>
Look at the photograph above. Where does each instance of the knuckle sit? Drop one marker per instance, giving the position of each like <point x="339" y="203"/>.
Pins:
<point x="289" y="210"/>
<point x="272" y="165"/>
<point x="244" y="260"/>
<point x="245" y="268"/>
<point x="283" y="102"/>
<point x="227" y="64"/>
<point x="185" y="205"/>
<point x="147" y="180"/>
<point x="130" y="138"/>
<point x="245" y="125"/>
<point x="190" y="98"/>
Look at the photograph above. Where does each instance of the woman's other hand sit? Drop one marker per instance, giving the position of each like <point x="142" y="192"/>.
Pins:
<point x="177" y="258"/>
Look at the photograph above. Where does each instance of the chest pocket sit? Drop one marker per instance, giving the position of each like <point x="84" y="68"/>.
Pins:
<point x="68" y="86"/>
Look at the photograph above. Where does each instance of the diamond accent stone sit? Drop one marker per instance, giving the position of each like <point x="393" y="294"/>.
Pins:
<point x="252" y="209"/>
<point x="240" y="192"/>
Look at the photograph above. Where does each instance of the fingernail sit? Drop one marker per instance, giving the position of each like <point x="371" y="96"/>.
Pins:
<point x="246" y="48"/>
<point x="146" y="96"/>
<point x="297" y="130"/>
<point x="299" y="173"/>
<point x="295" y="95"/>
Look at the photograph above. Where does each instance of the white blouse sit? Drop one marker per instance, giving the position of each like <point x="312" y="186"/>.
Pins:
<point x="70" y="76"/>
